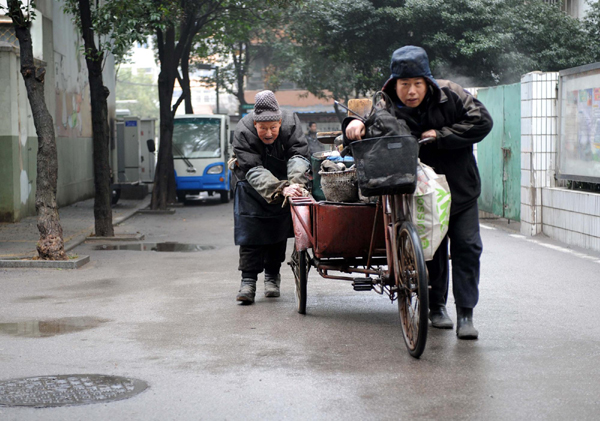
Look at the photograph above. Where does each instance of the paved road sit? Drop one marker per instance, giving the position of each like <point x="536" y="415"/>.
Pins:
<point x="170" y="319"/>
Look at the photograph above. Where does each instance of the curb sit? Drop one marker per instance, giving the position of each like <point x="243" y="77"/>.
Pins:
<point x="158" y="211"/>
<point x="81" y="238"/>
<point x="144" y="203"/>
<point x="118" y="237"/>
<point x="45" y="264"/>
<point x="75" y="241"/>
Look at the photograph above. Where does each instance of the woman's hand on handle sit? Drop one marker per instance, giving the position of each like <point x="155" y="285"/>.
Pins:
<point x="295" y="190"/>
<point x="355" y="130"/>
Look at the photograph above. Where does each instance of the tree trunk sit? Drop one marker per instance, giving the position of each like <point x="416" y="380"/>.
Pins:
<point x="164" y="178"/>
<point x="98" y="94"/>
<point x="241" y="63"/>
<point x="170" y="56"/>
<point x="51" y="244"/>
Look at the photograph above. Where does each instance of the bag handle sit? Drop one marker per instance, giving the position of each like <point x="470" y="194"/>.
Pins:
<point x="381" y="97"/>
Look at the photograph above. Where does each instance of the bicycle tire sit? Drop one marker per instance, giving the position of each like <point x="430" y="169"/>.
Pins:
<point x="300" y="266"/>
<point x="413" y="294"/>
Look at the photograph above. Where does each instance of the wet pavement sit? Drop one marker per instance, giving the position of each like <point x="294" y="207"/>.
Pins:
<point x="171" y="320"/>
<point x="46" y="328"/>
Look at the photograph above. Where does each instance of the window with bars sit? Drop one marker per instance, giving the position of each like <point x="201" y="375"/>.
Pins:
<point x="7" y="34"/>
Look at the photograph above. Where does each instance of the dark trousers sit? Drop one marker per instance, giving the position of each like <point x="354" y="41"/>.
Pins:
<point x="255" y="259"/>
<point x="465" y="248"/>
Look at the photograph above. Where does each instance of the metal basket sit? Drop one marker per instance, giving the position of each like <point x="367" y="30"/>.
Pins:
<point x="339" y="186"/>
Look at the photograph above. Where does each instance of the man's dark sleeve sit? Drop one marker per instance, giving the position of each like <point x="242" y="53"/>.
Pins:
<point x="473" y="123"/>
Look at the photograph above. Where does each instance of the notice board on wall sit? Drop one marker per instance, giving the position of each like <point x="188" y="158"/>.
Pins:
<point x="579" y="124"/>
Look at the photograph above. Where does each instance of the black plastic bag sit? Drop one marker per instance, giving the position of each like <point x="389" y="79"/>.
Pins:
<point x="386" y="165"/>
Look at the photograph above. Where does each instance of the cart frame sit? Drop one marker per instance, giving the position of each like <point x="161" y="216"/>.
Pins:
<point x="377" y="241"/>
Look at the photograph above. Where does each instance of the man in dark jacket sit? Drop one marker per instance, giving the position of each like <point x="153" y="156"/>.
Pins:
<point x="270" y="162"/>
<point x="446" y="112"/>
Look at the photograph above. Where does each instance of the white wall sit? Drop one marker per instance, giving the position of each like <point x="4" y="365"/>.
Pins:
<point x="569" y="216"/>
<point x="57" y="43"/>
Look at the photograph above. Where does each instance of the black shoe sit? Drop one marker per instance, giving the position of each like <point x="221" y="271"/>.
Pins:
<point x="247" y="291"/>
<point x="464" y="324"/>
<point x="439" y="318"/>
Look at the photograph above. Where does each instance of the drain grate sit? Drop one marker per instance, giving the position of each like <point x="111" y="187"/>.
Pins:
<point x="65" y="390"/>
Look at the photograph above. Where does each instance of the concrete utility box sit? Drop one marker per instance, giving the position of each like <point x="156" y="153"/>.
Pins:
<point x="148" y="159"/>
<point x="128" y="149"/>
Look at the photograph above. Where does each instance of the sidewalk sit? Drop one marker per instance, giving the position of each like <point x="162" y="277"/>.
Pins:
<point x="19" y="239"/>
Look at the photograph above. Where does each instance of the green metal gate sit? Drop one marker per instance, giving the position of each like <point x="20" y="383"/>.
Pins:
<point x="499" y="154"/>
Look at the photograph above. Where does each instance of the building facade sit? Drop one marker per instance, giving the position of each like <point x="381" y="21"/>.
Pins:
<point x="56" y="45"/>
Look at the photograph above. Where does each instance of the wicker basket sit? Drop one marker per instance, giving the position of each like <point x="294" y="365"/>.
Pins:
<point x="339" y="186"/>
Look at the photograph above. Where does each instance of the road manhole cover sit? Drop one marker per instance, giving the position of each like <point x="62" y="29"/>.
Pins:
<point x="64" y="390"/>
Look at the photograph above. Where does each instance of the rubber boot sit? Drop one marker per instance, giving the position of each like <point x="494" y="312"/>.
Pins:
<point x="464" y="324"/>
<point x="272" y="285"/>
<point x="247" y="291"/>
<point x="439" y="317"/>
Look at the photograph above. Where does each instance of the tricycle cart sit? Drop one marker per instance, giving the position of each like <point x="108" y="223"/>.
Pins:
<point x="376" y="242"/>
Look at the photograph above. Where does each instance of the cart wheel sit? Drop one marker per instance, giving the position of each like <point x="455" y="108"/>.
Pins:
<point x="413" y="294"/>
<point x="300" y="265"/>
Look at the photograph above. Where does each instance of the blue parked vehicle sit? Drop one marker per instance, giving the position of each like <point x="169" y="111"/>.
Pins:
<point x="201" y="150"/>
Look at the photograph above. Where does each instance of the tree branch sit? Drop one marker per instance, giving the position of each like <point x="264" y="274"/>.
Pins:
<point x="181" y="97"/>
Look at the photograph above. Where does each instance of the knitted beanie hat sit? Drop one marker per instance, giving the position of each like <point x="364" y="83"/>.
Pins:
<point x="266" y="107"/>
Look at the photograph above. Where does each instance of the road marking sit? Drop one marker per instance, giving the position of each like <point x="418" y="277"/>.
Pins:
<point x="557" y="248"/>
<point x="487" y="227"/>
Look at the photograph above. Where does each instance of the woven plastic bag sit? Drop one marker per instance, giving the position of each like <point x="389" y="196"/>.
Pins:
<point x="430" y="208"/>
